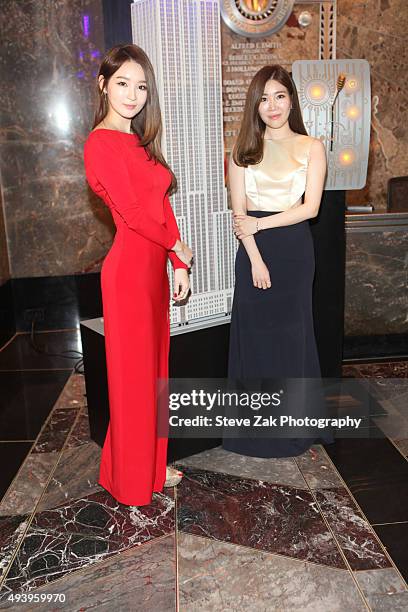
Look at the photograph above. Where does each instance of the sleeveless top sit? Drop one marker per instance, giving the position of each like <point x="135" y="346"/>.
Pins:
<point x="279" y="180"/>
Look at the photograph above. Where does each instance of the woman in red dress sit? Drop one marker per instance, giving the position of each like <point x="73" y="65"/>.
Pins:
<point x="126" y="168"/>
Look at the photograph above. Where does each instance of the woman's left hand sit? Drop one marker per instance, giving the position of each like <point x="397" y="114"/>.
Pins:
<point x="244" y="225"/>
<point x="181" y="284"/>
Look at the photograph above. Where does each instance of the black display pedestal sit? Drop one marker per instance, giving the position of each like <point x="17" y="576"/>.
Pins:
<point x="196" y="354"/>
<point x="328" y="230"/>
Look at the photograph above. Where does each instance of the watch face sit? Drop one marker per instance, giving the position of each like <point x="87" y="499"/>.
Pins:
<point x="256" y="18"/>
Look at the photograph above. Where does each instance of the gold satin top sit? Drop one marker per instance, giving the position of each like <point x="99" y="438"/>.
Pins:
<point x="279" y="180"/>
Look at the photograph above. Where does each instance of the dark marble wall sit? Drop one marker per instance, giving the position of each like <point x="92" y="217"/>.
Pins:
<point x="376" y="282"/>
<point x="376" y="30"/>
<point x="50" y="55"/>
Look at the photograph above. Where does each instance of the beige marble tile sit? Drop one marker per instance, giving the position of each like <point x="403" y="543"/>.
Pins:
<point x="75" y="476"/>
<point x="216" y="576"/>
<point x="380" y="582"/>
<point x="282" y="471"/>
<point x="73" y="394"/>
<point x="28" y="486"/>
<point x="317" y="469"/>
<point x="397" y="602"/>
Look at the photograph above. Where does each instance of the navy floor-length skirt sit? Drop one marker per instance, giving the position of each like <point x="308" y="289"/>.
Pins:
<point x="272" y="335"/>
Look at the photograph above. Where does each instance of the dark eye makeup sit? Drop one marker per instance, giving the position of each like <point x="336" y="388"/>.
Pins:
<point x="142" y="87"/>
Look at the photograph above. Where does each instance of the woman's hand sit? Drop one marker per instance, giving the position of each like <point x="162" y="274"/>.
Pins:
<point x="183" y="252"/>
<point x="260" y="275"/>
<point x="181" y="284"/>
<point x="244" y="225"/>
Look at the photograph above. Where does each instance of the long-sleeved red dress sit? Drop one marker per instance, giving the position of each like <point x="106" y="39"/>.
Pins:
<point x="135" y="297"/>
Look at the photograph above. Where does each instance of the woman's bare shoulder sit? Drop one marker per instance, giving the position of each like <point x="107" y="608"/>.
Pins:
<point x="317" y="145"/>
<point x="316" y="142"/>
<point x="317" y="151"/>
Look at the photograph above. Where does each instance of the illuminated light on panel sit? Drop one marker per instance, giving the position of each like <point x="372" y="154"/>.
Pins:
<point x="317" y="92"/>
<point x="352" y="84"/>
<point x="347" y="157"/>
<point x="353" y="112"/>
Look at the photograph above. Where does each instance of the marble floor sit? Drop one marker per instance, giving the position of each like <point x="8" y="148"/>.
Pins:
<point x="324" y="531"/>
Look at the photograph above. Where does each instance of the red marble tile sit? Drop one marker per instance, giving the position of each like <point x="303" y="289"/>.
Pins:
<point x="275" y="518"/>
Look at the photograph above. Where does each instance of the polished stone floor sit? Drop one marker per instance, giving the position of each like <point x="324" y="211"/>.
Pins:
<point x="325" y="531"/>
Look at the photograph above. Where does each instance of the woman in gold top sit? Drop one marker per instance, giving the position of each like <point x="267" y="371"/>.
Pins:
<point x="273" y="164"/>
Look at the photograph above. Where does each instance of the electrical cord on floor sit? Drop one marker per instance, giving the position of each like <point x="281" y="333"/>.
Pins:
<point x="78" y="366"/>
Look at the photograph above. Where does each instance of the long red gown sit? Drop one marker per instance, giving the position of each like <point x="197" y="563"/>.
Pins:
<point x="135" y="296"/>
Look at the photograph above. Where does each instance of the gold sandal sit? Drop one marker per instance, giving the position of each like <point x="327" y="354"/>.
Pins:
<point x="173" y="477"/>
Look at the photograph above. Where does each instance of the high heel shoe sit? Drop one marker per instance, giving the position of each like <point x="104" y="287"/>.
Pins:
<point x="173" y="477"/>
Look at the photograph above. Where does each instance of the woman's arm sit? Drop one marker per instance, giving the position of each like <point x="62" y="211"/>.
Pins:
<point x="172" y="226"/>
<point x="260" y="273"/>
<point x="236" y="175"/>
<point x="107" y="164"/>
<point x="316" y="174"/>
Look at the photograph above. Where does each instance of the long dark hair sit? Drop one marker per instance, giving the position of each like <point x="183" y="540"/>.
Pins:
<point x="147" y="124"/>
<point x="248" y="149"/>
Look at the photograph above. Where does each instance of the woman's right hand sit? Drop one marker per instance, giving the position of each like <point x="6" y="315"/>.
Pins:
<point x="183" y="252"/>
<point x="260" y="275"/>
